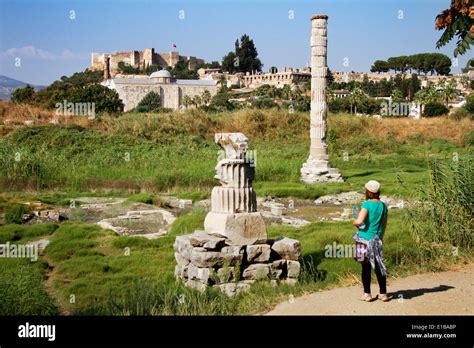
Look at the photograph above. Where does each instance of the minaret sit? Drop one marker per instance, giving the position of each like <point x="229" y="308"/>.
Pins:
<point x="317" y="167"/>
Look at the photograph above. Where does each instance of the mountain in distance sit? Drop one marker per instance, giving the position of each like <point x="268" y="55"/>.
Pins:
<point x="8" y="85"/>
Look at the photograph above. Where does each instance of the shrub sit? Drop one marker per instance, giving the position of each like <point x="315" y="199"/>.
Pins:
<point x="434" y="109"/>
<point x="264" y="103"/>
<point x="340" y="105"/>
<point x="151" y="101"/>
<point x="221" y="102"/>
<point x="141" y="198"/>
<point x="14" y="214"/>
<point x="468" y="139"/>
<point x="470" y="103"/>
<point x="23" y="95"/>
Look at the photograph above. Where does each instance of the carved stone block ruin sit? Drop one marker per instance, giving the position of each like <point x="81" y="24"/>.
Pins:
<point x="233" y="250"/>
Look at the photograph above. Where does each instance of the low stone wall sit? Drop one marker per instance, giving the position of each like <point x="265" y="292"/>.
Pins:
<point x="205" y="260"/>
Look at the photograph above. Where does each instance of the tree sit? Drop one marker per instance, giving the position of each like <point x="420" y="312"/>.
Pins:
<point x="151" y="101"/>
<point x="421" y="97"/>
<point x="329" y="78"/>
<point x="230" y="63"/>
<point x="397" y="96"/>
<point x="206" y="97"/>
<point x="286" y="91"/>
<point x="414" y="85"/>
<point x="448" y="89"/>
<point x="469" y="66"/>
<point x="273" y="70"/>
<point x="23" y="95"/>
<point x="126" y="68"/>
<point x="212" y="65"/>
<point x="442" y="64"/>
<point x="457" y="20"/>
<point x="104" y="99"/>
<point x="355" y="98"/>
<point x="187" y="101"/>
<point x="181" y="71"/>
<point x="380" y="66"/>
<point x="196" y="100"/>
<point x="244" y="58"/>
<point x="435" y="109"/>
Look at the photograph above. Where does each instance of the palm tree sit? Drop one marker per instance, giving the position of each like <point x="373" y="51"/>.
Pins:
<point x="449" y="90"/>
<point x="187" y="101"/>
<point x="355" y="98"/>
<point x="421" y="97"/>
<point x="206" y="97"/>
<point x="196" y="100"/>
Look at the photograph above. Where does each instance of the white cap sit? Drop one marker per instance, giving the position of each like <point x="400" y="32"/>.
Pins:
<point x="373" y="186"/>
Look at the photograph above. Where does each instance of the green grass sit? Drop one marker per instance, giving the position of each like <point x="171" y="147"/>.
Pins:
<point x="21" y="233"/>
<point x="111" y="274"/>
<point x="141" y="198"/>
<point x="159" y="154"/>
<point x="21" y="288"/>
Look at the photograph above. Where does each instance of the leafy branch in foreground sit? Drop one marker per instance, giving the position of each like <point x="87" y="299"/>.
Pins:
<point x="457" y="20"/>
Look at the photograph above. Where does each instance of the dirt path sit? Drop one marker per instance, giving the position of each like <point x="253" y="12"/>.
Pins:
<point x="445" y="293"/>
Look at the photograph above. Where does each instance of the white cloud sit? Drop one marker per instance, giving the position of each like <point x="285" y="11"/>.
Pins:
<point x="31" y="51"/>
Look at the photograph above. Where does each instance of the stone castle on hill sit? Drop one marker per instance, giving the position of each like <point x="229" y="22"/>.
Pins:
<point x="142" y="59"/>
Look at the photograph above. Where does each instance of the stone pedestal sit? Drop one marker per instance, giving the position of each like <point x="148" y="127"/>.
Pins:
<point x="233" y="251"/>
<point x="317" y="168"/>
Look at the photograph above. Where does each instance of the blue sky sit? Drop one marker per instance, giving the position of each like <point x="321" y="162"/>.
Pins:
<point x="51" y="44"/>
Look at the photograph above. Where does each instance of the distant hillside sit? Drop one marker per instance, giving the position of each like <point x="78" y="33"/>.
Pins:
<point x="8" y="85"/>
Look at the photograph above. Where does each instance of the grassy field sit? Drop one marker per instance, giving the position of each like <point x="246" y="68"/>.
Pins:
<point x="107" y="274"/>
<point x="87" y="270"/>
<point x="175" y="152"/>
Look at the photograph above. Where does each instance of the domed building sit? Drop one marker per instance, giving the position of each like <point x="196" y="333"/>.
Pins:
<point x="163" y="76"/>
<point x="132" y="88"/>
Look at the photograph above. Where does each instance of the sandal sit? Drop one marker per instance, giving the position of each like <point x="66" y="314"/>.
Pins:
<point x="383" y="297"/>
<point x="366" y="297"/>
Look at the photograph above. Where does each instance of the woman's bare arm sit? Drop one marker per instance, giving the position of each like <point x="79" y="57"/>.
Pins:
<point x="360" y="219"/>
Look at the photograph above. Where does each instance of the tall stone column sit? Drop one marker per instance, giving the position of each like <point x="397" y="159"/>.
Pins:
<point x="317" y="167"/>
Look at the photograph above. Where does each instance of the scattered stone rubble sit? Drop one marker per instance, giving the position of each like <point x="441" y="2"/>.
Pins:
<point x="346" y="198"/>
<point x="233" y="252"/>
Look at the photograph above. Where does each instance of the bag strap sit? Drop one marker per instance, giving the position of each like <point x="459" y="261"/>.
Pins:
<point x="382" y="219"/>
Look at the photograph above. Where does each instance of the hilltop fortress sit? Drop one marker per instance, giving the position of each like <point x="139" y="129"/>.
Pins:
<point x="142" y="59"/>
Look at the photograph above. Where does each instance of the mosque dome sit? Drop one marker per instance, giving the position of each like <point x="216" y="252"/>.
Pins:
<point x="160" y="74"/>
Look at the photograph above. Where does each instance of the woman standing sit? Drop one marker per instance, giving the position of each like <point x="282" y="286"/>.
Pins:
<point x="370" y="225"/>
